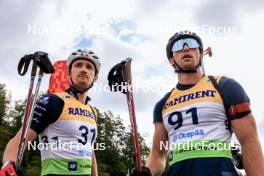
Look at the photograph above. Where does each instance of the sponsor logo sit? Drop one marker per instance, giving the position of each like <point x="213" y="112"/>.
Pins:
<point x="72" y="166"/>
<point x="40" y="107"/>
<point x="188" y="134"/>
<point x="85" y="153"/>
<point x="44" y="100"/>
<point x="191" y="96"/>
<point x="81" y="112"/>
<point x="84" y="166"/>
<point x="66" y="96"/>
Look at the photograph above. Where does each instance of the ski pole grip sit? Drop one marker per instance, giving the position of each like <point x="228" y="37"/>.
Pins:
<point x="43" y="62"/>
<point x="23" y="64"/>
<point x="40" y="58"/>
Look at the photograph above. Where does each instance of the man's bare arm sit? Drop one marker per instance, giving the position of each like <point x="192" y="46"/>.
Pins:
<point x="158" y="155"/>
<point x="246" y="132"/>
<point x="94" y="165"/>
<point x="10" y="153"/>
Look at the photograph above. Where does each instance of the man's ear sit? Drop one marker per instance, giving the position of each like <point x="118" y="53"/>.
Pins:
<point x="201" y="56"/>
<point x="172" y="62"/>
<point x="95" y="77"/>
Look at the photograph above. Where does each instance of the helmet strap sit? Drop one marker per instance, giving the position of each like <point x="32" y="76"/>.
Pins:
<point x="80" y="91"/>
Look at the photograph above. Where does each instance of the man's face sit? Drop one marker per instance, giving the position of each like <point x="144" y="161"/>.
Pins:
<point x="186" y="58"/>
<point x="83" y="73"/>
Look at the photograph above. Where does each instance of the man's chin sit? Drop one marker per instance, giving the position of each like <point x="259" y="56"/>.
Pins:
<point x="188" y="67"/>
<point x="82" y="87"/>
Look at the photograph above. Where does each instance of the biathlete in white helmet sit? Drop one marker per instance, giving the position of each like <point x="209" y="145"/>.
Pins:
<point x="65" y="123"/>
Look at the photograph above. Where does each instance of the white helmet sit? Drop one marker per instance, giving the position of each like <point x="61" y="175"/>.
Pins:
<point x="84" y="54"/>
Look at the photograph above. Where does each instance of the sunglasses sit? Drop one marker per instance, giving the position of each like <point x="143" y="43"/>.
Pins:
<point x="179" y="44"/>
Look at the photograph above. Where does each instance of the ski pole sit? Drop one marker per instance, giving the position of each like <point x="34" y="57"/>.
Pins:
<point x="132" y="114"/>
<point x="41" y="60"/>
<point x="25" y="118"/>
<point x="209" y="52"/>
<point x="120" y="75"/>
<point x="28" y="115"/>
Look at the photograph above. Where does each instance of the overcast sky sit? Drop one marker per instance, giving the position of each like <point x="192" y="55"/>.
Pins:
<point x="119" y="29"/>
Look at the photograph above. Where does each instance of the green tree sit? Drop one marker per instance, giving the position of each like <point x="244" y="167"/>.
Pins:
<point x="3" y="103"/>
<point x="118" y="156"/>
<point x="110" y="130"/>
<point x="128" y="151"/>
<point x="4" y="130"/>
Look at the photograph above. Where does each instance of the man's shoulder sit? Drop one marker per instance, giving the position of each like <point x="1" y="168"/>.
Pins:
<point x="47" y="99"/>
<point x="232" y="92"/>
<point x="157" y="114"/>
<point x="61" y="94"/>
<point x="227" y="82"/>
<point x="47" y="110"/>
<point x="228" y="85"/>
<point x="166" y="96"/>
<point x="163" y="100"/>
<point x="224" y="81"/>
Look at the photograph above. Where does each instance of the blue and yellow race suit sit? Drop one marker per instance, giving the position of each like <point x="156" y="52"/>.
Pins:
<point x="195" y="119"/>
<point x="67" y="129"/>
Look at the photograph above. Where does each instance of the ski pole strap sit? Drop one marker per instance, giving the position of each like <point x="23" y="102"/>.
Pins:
<point x="23" y="64"/>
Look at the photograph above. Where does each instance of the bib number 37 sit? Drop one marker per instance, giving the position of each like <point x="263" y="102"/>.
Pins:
<point x="84" y="134"/>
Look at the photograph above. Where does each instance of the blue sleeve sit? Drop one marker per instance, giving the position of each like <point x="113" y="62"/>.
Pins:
<point x="234" y="94"/>
<point x="157" y="114"/>
<point x="47" y="110"/>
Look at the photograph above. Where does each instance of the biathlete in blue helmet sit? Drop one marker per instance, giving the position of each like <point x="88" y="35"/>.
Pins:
<point x="195" y="120"/>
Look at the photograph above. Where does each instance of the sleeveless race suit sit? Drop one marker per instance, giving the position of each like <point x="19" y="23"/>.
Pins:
<point x="67" y="130"/>
<point x="196" y="122"/>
